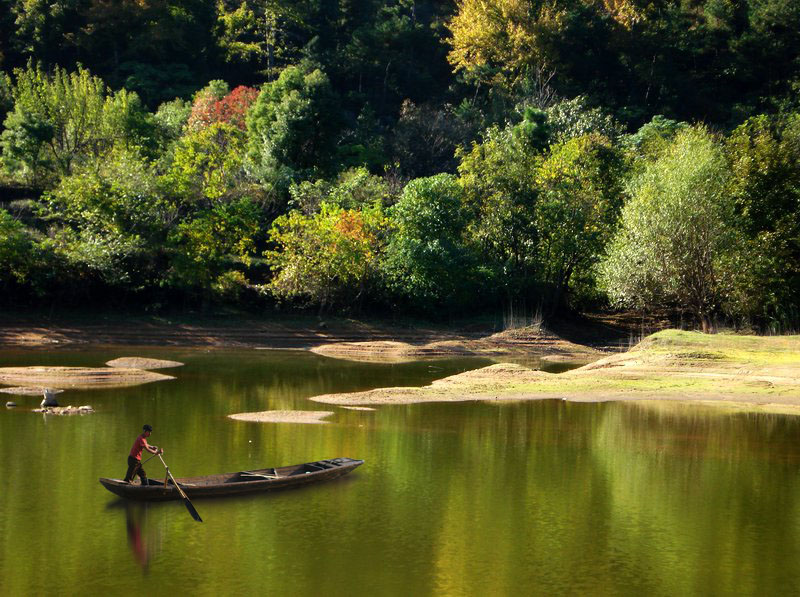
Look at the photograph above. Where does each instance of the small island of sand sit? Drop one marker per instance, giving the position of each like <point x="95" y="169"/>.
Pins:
<point x="309" y="417"/>
<point x="142" y="363"/>
<point x="520" y="342"/>
<point x="78" y="378"/>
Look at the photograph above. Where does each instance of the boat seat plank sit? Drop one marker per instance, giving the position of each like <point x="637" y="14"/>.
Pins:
<point x="262" y="475"/>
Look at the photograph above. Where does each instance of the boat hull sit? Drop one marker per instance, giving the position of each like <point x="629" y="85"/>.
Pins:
<point x="239" y="483"/>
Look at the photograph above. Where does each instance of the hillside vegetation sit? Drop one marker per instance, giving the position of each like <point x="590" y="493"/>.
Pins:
<point x="408" y="157"/>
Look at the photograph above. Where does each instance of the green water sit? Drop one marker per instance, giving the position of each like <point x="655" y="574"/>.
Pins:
<point x="454" y="499"/>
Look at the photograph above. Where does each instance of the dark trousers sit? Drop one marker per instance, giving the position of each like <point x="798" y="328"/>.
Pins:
<point x="133" y="470"/>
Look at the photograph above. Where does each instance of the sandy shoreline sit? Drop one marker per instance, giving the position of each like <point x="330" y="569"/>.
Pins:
<point x="757" y="372"/>
<point x="763" y="373"/>
<point x="341" y="338"/>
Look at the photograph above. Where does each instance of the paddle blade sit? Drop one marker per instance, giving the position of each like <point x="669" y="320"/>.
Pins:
<point x="192" y="511"/>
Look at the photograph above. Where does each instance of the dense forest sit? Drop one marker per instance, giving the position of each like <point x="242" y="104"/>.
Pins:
<point x="406" y="157"/>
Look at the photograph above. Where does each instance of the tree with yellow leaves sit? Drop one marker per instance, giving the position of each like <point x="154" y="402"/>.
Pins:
<point x="502" y="42"/>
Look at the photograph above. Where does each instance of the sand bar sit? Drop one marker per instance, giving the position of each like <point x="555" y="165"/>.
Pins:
<point x="83" y="378"/>
<point x="528" y="342"/>
<point x="309" y="417"/>
<point x="142" y="363"/>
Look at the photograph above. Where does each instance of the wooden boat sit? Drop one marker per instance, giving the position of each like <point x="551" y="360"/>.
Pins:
<point x="241" y="483"/>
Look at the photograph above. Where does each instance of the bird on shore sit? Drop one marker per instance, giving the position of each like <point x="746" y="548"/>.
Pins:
<point x="49" y="398"/>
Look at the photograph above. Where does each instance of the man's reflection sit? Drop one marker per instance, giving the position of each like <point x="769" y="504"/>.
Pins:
<point x="135" y="519"/>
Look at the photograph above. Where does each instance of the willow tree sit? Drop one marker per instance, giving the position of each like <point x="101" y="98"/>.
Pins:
<point x="676" y="232"/>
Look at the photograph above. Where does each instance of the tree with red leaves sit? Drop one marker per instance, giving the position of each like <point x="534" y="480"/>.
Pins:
<point x="208" y="107"/>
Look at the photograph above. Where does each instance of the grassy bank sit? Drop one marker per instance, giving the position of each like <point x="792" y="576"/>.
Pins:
<point x="669" y="365"/>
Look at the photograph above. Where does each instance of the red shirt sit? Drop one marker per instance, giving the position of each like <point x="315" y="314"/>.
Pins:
<point x="139" y="445"/>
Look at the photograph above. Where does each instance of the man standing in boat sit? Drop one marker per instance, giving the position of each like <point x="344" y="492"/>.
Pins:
<point x="135" y="457"/>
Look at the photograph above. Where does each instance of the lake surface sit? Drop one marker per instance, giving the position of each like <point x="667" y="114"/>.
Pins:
<point x="454" y="499"/>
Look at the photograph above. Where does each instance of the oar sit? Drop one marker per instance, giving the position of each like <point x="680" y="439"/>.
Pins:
<point x="187" y="502"/>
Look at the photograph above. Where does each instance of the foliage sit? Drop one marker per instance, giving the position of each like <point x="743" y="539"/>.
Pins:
<point x="66" y="119"/>
<point x="357" y="98"/>
<point x="204" y="100"/>
<point x="156" y="84"/>
<point x="211" y="244"/>
<point x="574" y="118"/>
<point x="500" y="41"/>
<point x="427" y="264"/>
<point x="329" y="258"/>
<point x="232" y="108"/>
<point x="764" y="154"/>
<point x="654" y="137"/>
<point x="170" y="119"/>
<point x="214" y="104"/>
<point x="353" y="189"/>
<point x="541" y="215"/>
<point x="498" y="177"/>
<point x="108" y="219"/>
<point x="293" y="125"/>
<point x="208" y="164"/>
<point x="675" y="230"/>
<point x="577" y="210"/>
<point x="700" y="60"/>
<point x="364" y="144"/>
<point x="534" y="131"/>
<point x="16" y="247"/>
<point x="6" y="96"/>
<point x="426" y="138"/>
<point x="255" y="33"/>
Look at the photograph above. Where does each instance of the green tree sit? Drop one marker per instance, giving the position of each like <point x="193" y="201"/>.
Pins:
<point x="6" y="97"/>
<point x="67" y="118"/>
<point x="764" y="153"/>
<point x="170" y="120"/>
<point x="108" y="221"/>
<point x="353" y="189"/>
<point x="16" y="248"/>
<point x="208" y="164"/>
<point x="427" y="263"/>
<point x="257" y="34"/>
<point x="328" y="259"/>
<point x="676" y="230"/>
<point x="653" y="137"/>
<point x="580" y="197"/>
<point x="293" y="126"/>
<point x="500" y="193"/>
<point x="211" y="247"/>
<point x="573" y="118"/>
